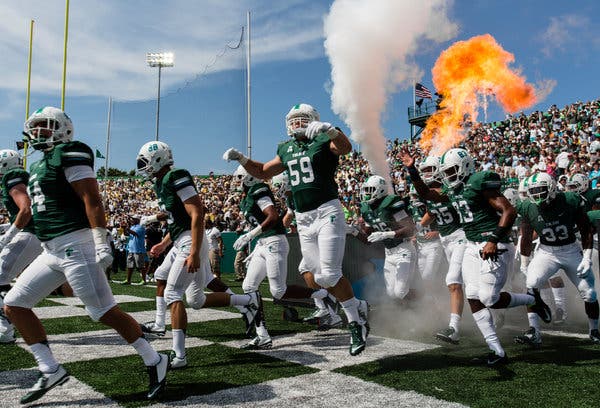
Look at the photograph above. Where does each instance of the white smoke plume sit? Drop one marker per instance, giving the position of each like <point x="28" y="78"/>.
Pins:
<point x="371" y="45"/>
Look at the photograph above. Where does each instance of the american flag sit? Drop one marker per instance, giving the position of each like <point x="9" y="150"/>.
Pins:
<point x="422" y="92"/>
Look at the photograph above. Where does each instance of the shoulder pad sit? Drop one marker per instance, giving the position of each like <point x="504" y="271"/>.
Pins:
<point x="180" y="178"/>
<point x="75" y="153"/>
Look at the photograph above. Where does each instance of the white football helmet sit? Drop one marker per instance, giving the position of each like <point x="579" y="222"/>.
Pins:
<point x="429" y="168"/>
<point x="594" y="146"/>
<point x="9" y="159"/>
<point x="152" y="157"/>
<point x="47" y="127"/>
<point x="522" y="190"/>
<point x="577" y="183"/>
<point x="541" y="188"/>
<point x="456" y="165"/>
<point x="242" y="178"/>
<point x="281" y="184"/>
<point x="298" y="119"/>
<point x="374" y="188"/>
<point x="512" y="195"/>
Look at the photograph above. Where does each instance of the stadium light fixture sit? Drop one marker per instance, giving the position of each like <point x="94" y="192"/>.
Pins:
<point x="160" y="60"/>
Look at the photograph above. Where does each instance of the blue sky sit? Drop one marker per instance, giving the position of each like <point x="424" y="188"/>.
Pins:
<point x="556" y="46"/>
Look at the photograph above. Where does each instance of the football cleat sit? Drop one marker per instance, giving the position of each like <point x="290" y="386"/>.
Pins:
<point x="152" y="329"/>
<point x="559" y="316"/>
<point x="531" y="336"/>
<point x="259" y="343"/>
<point x="331" y="321"/>
<point x="45" y="383"/>
<point x="175" y="362"/>
<point x="595" y="336"/>
<point x="358" y="338"/>
<point x="449" y="335"/>
<point x="494" y="360"/>
<point x="158" y="376"/>
<point x="540" y="307"/>
<point x="317" y="314"/>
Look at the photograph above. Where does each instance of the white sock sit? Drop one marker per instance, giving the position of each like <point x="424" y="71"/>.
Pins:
<point x="350" y="307"/>
<point x="559" y="298"/>
<point x="534" y="320"/>
<point x="44" y="358"/>
<point x="262" y="330"/>
<point x="319" y="294"/>
<point x="454" y="321"/>
<point x="179" y="342"/>
<point x="239" y="300"/>
<point x="520" y="299"/>
<point x="161" y="310"/>
<point x="241" y="308"/>
<point x="145" y="350"/>
<point x="483" y="318"/>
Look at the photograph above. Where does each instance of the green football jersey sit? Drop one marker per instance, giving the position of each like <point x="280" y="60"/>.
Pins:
<point x="594" y="217"/>
<point x="591" y="197"/>
<point x="311" y="166"/>
<point x="385" y="215"/>
<point x="252" y="212"/>
<point x="478" y="218"/>
<point x="11" y="179"/>
<point x="446" y="217"/>
<point x="178" y="220"/>
<point x="555" y="224"/>
<point x="57" y="209"/>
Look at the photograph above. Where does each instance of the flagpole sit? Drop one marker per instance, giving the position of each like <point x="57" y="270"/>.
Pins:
<point x="107" y="138"/>
<point x="64" y="74"/>
<point x="26" y="145"/>
<point x="412" y="127"/>
<point x="248" y="100"/>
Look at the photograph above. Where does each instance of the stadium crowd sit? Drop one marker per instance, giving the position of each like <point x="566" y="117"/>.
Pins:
<point x="560" y="142"/>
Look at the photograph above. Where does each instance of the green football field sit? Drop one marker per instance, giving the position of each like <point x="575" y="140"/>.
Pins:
<point x="403" y="364"/>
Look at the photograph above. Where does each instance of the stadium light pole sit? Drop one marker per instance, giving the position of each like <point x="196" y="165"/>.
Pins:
<point x="160" y="60"/>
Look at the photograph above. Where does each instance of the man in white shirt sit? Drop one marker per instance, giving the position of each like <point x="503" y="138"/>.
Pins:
<point x="215" y="247"/>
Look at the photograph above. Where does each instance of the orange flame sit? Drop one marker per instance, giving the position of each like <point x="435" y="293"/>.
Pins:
<point x="466" y="69"/>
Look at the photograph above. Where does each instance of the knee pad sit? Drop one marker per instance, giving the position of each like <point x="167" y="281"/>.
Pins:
<point x="172" y="295"/>
<point x="247" y="288"/>
<point x="488" y="299"/>
<point x="588" y="295"/>
<point x="277" y="292"/>
<point x="327" y="281"/>
<point x="197" y="302"/>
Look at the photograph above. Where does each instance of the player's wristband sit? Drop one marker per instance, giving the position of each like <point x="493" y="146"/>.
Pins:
<point x="255" y="232"/>
<point x="498" y="234"/>
<point x="99" y="235"/>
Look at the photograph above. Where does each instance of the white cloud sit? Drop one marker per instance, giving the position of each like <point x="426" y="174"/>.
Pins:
<point x="108" y="40"/>
<point x="564" y="32"/>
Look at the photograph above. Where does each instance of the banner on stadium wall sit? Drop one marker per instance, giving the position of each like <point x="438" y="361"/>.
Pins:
<point x="362" y="265"/>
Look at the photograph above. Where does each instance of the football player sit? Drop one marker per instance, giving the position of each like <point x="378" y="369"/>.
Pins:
<point x="453" y="241"/>
<point x="69" y="220"/>
<point x="553" y="216"/>
<point x="186" y="268"/>
<point x="325" y="313"/>
<point x="269" y="257"/>
<point x="311" y="157"/>
<point x="18" y="246"/>
<point x="486" y="217"/>
<point x="388" y="222"/>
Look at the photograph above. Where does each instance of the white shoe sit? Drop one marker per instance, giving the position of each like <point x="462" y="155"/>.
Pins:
<point x="316" y="316"/>
<point x="153" y="329"/>
<point x="176" y="362"/>
<point x="45" y="383"/>
<point x="259" y="343"/>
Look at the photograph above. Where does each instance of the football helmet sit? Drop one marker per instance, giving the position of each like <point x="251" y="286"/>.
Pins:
<point x="298" y="119"/>
<point x="374" y="188"/>
<point x="577" y="183"/>
<point x="522" y="190"/>
<point x="281" y="184"/>
<point x="456" y="165"/>
<point x="9" y="159"/>
<point x="594" y="146"/>
<point x="512" y="195"/>
<point x="429" y="168"/>
<point x="47" y="127"/>
<point x="243" y="179"/>
<point x="152" y="157"/>
<point x="541" y="188"/>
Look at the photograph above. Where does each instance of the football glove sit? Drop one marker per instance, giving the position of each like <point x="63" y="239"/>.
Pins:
<point x="148" y="219"/>
<point x="352" y="229"/>
<point x="234" y="154"/>
<point x="315" y="128"/>
<point x="380" y="236"/>
<point x="585" y="266"/>
<point x="8" y="236"/>
<point x="246" y="238"/>
<point x="104" y="256"/>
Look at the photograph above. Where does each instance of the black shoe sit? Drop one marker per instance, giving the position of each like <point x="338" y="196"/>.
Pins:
<point x="595" y="336"/>
<point x="540" y="307"/>
<point x="494" y="360"/>
<point x="45" y="383"/>
<point x="158" y="376"/>
<point x="449" y="335"/>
